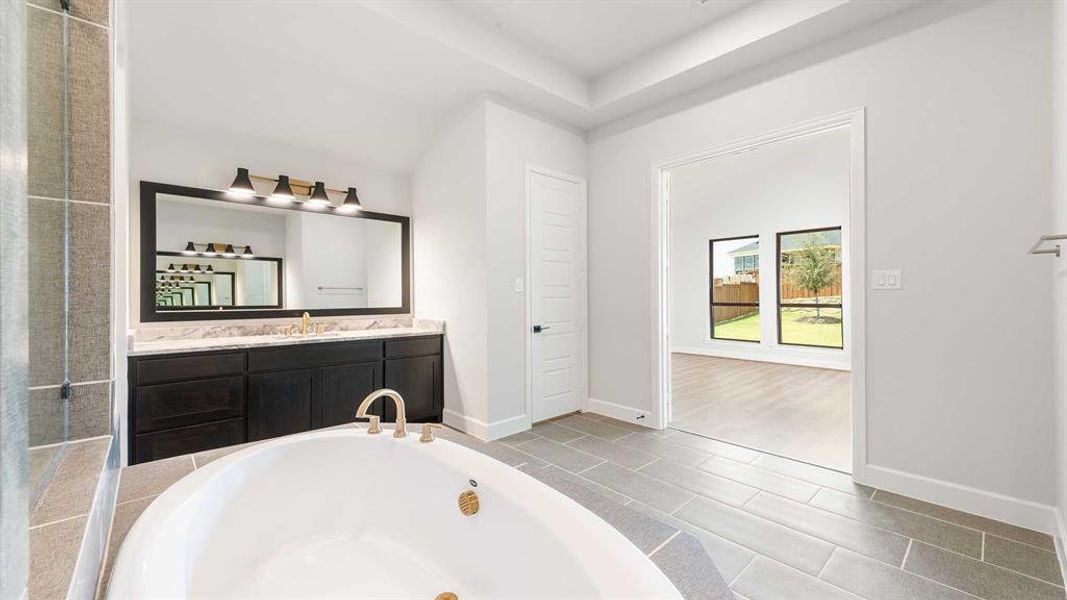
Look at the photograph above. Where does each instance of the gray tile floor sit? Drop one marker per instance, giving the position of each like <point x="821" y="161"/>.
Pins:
<point x="722" y="520"/>
<point x="780" y="529"/>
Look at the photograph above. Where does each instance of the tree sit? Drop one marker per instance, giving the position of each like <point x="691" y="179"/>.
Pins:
<point x="813" y="267"/>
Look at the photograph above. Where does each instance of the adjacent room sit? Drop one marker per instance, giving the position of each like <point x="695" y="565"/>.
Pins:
<point x="758" y="318"/>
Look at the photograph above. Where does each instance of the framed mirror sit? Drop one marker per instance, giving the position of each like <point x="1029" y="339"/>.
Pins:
<point x="209" y="254"/>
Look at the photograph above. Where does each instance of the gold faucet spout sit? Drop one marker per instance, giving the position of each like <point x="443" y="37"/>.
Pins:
<point x="401" y="429"/>
<point x="305" y="320"/>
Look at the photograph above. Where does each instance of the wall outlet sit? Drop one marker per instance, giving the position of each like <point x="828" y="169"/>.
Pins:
<point x="519" y="284"/>
<point x="887" y="279"/>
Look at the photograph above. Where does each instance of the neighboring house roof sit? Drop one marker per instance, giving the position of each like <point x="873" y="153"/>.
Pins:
<point x="790" y="243"/>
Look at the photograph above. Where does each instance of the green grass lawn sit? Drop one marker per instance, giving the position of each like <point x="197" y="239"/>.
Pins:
<point x="794" y="331"/>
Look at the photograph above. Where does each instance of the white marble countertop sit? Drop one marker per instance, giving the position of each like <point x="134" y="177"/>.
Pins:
<point x="144" y="348"/>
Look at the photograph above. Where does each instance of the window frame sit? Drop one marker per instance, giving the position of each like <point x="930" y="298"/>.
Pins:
<point x="711" y="288"/>
<point x="778" y="292"/>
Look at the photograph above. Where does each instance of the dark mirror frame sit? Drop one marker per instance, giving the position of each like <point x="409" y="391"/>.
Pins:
<point x="149" y="191"/>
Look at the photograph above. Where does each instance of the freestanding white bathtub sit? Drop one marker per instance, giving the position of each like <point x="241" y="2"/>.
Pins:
<point x="346" y="514"/>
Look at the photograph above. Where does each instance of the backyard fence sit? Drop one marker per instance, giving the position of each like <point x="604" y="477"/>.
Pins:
<point x="748" y="292"/>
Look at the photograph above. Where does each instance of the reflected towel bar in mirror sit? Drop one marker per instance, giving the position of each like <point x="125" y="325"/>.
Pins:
<point x="1055" y="249"/>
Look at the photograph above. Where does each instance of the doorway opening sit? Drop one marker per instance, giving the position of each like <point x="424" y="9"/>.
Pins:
<point x="761" y="293"/>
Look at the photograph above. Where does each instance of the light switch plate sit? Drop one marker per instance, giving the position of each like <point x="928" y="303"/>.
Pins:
<point x="887" y="279"/>
<point x="519" y="284"/>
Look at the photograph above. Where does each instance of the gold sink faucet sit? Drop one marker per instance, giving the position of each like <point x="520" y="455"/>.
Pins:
<point x="401" y="429"/>
<point x="305" y="320"/>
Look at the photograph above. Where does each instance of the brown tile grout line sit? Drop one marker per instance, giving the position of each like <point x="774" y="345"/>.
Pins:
<point x="910" y="539"/>
<point x="55" y="12"/>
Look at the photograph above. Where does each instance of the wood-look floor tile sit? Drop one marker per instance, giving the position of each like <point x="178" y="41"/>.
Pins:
<point x="921" y="527"/>
<point x="616" y="453"/>
<point x="700" y="482"/>
<point x="871" y="541"/>
<point x="769" y="580"/>
<point x="771" y="481"/>
<point x="654" y="492"/>
<point x="786" y="545"/>
<point x="1023" y="558"/>
<point x="997" y="528"/>
<point x="982" y="579"/>
<point x="875" y="580"/>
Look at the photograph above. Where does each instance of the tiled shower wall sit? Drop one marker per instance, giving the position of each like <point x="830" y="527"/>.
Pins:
<point x="87" y="329"/>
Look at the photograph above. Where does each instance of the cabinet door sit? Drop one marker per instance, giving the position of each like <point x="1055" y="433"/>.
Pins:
<point x="344" y="387"/>
<point x="419" y="381"/>
<point x="184" y="440"/>
<point x="281" y="403"/>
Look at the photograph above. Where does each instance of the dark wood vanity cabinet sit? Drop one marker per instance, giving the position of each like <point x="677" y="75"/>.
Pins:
<point x="201" y="401"/>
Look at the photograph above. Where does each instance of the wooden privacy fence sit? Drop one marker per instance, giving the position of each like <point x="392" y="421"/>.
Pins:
<point x="734" y="292"/>
<point x="788" y="291"/>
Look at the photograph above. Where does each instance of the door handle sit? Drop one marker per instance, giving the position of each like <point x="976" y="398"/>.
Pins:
<point x="540" y="328"/>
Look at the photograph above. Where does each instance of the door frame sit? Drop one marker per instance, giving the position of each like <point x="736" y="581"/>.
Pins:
<point x="583" y="284"/>
<point x="853" y="231"/>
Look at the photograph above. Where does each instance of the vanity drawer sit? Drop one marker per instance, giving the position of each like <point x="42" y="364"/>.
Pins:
<point x="202" y="366"/>
<point x="405" y="348"/>
<point x="303" y="356"/>
<point x="169" y="405"/>
<point x="185" y="440"/>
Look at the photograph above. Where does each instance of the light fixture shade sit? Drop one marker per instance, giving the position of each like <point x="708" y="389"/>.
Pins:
<point x="210" y="270"/>
<point x="229" y="252"/>
<point x="318" y="194"/>
<point x="190" y="249"/>
<point x="247" y="253"/>
<point x="282" y="192"/>
<point x="242" y="184"/>
<point x="170" y="268"/>
<point x="211" y="250"/>
<point x="351" y="202"/>
<point x="183" y="269"/>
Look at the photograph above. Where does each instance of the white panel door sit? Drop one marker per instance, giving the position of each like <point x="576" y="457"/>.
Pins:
<point x="557" y="295"/>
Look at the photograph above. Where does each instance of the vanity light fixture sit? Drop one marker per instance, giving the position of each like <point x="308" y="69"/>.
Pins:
<point x="283" y="192"/>
<point x="190" y="249"/>
<point x="229" y="251"/>
<point x="247" y="253"/>
<point x="242" y="184"/>
<point x="351" y="203"/>
<point x="318" y="194"/>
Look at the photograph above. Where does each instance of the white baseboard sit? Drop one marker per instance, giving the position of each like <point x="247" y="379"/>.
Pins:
<point x="622" y="413"/>
<point x="839" y="362"/>
<point x="1024" y="513"/>
<point x="506" y="427"/>
<point x="486" y="431"/>
<point x="1061" y="540"/>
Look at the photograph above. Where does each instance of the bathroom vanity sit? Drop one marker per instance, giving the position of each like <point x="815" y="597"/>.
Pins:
<point x="214" y="259"/>
<point x="249" y="390"/>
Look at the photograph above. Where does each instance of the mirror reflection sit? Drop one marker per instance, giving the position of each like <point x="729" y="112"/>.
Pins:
<point x="218" y="255"/>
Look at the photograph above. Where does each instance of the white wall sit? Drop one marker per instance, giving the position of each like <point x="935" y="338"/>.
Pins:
<point x="470" y="246"/>
<point x="209" y="159"/>
<point x="448" y="195"/>
<point x="797" y="184"/>
<point x="958" y="368"/>
<point x="513" y="140"/>
<point x="1059" y="207"/>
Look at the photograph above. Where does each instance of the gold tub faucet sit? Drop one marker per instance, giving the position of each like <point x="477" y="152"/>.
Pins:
<point x="401" y="429"/>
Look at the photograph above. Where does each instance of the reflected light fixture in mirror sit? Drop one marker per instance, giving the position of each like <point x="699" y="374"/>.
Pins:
<point x="318" y="195"/>
<point x="242" y="184"/>
<point x="229" y="252"/>
<point x="190" y="249"/>
<point x="351" y="203"/>
<point x="211" y="250"/>
<point x="247" y="253"/>
<point x="282" y="192"/>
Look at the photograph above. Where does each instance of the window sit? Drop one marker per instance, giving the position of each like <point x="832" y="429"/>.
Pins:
<point x="809" y="288"/>
<point x="734" y="293"/>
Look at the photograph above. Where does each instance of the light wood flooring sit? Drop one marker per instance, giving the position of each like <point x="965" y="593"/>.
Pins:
<point x="801" y="413"/>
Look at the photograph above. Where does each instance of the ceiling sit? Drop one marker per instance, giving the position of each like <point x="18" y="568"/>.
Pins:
<point x="373" y="80"/>
<point x="591" y="37"/>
